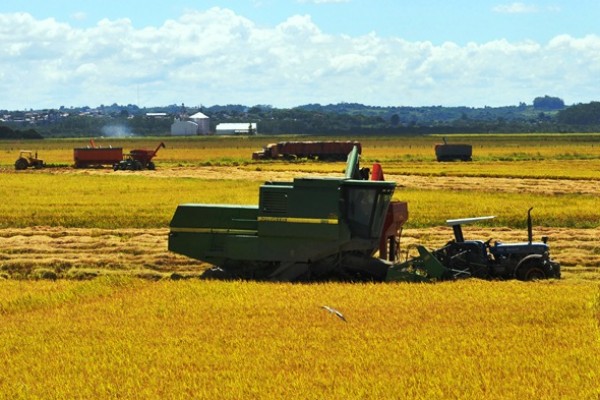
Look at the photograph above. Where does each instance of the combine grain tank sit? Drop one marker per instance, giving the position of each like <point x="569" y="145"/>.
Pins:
<point x="322" y="150"/>
<point x="93" y="156"/>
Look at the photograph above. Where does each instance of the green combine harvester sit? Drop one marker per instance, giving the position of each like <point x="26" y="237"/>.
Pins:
<point x="312" y="229"/>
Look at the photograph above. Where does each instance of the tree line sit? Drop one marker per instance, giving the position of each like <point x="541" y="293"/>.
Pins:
<point x="8" y="133"/>
<point x="546" y="114"/>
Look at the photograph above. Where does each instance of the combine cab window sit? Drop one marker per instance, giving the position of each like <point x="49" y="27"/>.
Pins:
<point x="366" y="208"/>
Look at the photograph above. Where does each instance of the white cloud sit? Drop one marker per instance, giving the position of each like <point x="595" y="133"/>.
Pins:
<point x="79" y="16"/>
<point x="516" y="8"/>
<point x="219" y="57"/>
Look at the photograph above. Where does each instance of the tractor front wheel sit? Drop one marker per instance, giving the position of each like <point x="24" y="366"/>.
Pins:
<point x="531" y="271"/>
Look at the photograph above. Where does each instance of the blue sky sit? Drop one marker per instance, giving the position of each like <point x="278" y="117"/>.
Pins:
<point x="288" y="53"/>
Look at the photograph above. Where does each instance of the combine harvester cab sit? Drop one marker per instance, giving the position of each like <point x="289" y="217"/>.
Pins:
<point x="307" y="229"/>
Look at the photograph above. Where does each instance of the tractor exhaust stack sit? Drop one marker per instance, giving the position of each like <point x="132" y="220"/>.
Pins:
<point x="529" y="226"/>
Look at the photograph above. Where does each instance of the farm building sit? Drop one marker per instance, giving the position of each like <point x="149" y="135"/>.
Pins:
<point x="197" y="124"/>
<point x="184" y="128"/>
<point x="242" y="128"/>
<point x="203" y="123"/>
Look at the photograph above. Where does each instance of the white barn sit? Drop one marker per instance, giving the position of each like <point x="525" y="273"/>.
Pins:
<point x="241" y="128"/>
<point x="184" y="128"/>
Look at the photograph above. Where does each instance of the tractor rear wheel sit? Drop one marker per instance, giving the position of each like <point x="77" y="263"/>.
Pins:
<point x="21" y="163"/>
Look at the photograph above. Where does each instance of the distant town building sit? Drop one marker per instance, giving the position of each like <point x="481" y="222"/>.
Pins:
<point x="241" y="128"/>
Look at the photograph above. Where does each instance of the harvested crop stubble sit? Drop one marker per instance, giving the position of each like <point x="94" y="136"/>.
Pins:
<point x="79" y="253"/>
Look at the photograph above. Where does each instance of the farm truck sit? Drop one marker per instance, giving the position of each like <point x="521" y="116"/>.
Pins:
<point x="328" y="229"/>
<point x="322" y="150"/>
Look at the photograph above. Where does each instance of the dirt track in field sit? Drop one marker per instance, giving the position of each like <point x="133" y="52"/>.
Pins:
<point x="508" y="185"/>
<point x="79" y="253"/>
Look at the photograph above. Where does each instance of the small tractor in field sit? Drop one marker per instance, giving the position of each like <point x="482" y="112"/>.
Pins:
<point x="314" y="229"/>
<point x="28" y="159"/>
<point x="138" y="159"/>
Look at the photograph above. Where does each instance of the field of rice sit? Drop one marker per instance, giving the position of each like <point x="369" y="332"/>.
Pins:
<point x="92" y="305"/>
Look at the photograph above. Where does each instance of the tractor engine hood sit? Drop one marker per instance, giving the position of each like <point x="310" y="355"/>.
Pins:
<point x="520" y="247"/>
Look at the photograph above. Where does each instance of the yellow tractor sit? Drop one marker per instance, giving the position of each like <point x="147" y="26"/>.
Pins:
<point x="28" y="159"/>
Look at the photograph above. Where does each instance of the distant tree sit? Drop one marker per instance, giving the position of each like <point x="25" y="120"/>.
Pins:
<point x="8" y="133"/>
<point x="255" y="110"/>
<point x="548" y="103"/>
<point x="395" y="120"/>
<point x="580" y="114"/>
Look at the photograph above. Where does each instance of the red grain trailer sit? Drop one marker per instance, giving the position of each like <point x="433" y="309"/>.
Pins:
<point x="92" y="156"/>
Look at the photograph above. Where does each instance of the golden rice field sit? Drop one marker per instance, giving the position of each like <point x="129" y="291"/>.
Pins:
<point x="64" y="335"/>
<point x="126" y="338"/>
